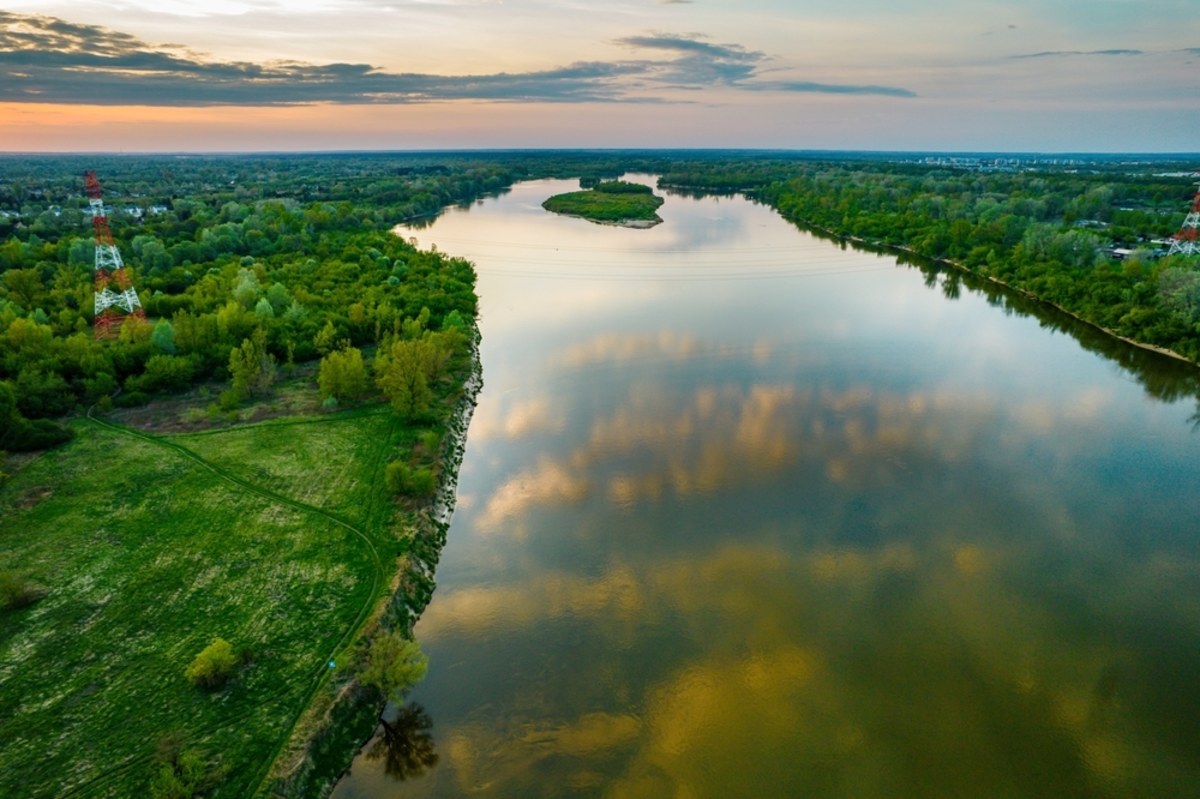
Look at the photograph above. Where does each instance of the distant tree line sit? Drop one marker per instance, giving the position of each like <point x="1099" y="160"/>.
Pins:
<point x="1046" y="232"/>
<point x="245" y="263"/>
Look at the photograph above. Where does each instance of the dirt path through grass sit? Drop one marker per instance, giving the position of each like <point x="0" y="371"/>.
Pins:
<point x="320" y="675"/>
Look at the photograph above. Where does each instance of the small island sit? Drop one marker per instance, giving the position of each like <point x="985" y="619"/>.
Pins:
<point x="613" y="202"/>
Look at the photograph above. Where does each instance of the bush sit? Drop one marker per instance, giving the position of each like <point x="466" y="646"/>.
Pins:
<point x="18" y="591"/>
<point x="405" y="480"/>
<point x="29" y="435"/>
<point x="180" y="773"/>
<point x="131" y="399"/>
<point x="213" y="666"/>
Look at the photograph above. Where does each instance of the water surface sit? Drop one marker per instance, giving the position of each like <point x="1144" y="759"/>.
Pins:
<point x="744" y="513"/>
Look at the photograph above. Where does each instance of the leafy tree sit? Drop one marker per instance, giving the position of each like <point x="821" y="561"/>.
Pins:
<point x="279" y="297"/>
<point x="326" y="340"/>
<point x="343" y="375"/>
<point x="246" y="291"/>
<point x="454" y="320"/>
<point x="1180" y="291"/>
<point x="213" y="666"/>
<point x="392" y="664"/>
<point x="402" y="372"/>
<point x="24" y="287"/>
<point x="163" y="337"/>
<point x="251" y="369"/>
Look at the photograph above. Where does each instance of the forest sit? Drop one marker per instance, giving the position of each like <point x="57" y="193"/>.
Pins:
<point x="277" y="296"/>
<point x="1048" y="231"/>
<point x="298" y="249"/>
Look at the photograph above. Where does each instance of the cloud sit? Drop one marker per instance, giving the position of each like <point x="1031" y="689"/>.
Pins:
<point x="50" y="60"/>
<point x="831" y="88"/>
<point x="692" y="46"/>
<point x="1072" y="53"/>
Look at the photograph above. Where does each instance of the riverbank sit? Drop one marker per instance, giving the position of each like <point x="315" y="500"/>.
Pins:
<point x="864" y="244"/>
<point x="344" y="717"/>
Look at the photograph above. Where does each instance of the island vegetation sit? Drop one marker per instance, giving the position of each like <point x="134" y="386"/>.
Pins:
<point x="217" y="528"/>
<point x="613" y="202"/>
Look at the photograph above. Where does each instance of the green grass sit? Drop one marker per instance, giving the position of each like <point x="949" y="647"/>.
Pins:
<point x="277" y="537"/>
<point x="614" y="201"/>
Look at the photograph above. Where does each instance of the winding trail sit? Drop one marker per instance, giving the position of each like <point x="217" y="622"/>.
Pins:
<point x="320" y="674"/>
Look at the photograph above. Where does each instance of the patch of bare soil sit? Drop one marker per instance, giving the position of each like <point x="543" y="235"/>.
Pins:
<point x="196" y="409"/>
<point x="32" y="496"/>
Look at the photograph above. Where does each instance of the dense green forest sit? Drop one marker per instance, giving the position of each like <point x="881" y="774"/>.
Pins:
<point x="1048" y="230"/>
<point x="299" y="248"/>
<point x="612" y="201"/>
<point x="277" y="277"/>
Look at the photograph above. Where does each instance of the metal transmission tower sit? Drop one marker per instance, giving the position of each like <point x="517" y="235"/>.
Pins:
<point x="116" y="299"/>
<point x="1185" y="242"/>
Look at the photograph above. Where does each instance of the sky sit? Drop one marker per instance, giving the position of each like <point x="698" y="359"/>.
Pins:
<point x="279" y="75"/>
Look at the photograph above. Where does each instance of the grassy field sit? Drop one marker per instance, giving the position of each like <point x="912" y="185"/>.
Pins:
<point x="277" y="536"/>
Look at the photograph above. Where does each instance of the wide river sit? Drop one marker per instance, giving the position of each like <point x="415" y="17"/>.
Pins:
<point x="746" y="514"/>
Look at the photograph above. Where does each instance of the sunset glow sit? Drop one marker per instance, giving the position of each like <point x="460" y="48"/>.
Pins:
<point x="396" y="74"/>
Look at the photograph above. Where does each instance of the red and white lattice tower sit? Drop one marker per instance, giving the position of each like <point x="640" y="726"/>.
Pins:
<point x="116" y="299"/>
<point x="1185" y="242"/>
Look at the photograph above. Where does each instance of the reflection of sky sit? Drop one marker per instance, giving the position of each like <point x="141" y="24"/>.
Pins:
<point x="827" y="533"/>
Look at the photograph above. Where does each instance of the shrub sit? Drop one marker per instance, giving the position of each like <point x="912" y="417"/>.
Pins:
<point x="213" y="666"/>
<point x="180" y="773"/>
<point x="405" y="480"/>
<point x="18" y="591"/>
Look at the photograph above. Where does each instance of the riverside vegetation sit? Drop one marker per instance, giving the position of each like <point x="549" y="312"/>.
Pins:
<point x="611" y="202"/>
<point x="261" y="457"/>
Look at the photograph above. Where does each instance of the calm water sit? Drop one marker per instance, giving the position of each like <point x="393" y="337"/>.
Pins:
<point x="746" y="514"/>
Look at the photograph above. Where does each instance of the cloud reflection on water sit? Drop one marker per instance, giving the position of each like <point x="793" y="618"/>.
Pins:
<point x="657" y="442"/>
<point x="836" y="670"/>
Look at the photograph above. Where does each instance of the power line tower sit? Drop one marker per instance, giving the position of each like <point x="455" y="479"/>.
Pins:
<point x="116" y="299"/>
<point x="1185" y="242"/>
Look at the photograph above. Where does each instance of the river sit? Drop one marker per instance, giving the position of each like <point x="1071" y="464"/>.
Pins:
<point x="745" y="513"/>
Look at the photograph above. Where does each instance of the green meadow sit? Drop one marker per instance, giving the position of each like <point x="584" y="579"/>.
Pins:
<point x="279" y="537"/>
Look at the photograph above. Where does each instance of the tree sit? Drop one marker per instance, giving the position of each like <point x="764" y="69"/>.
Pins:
<point x="402" y="371"/>
<point x="246" y="290"/>
<point x="24" y="287"/>
<point x="251" y="369"/>
<point x="392" y="664"/>
<point x="213" y="666"/>
<point x="163" y="337"/>
<point x="326" y="339"/>
<point x="343" y="375"/>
